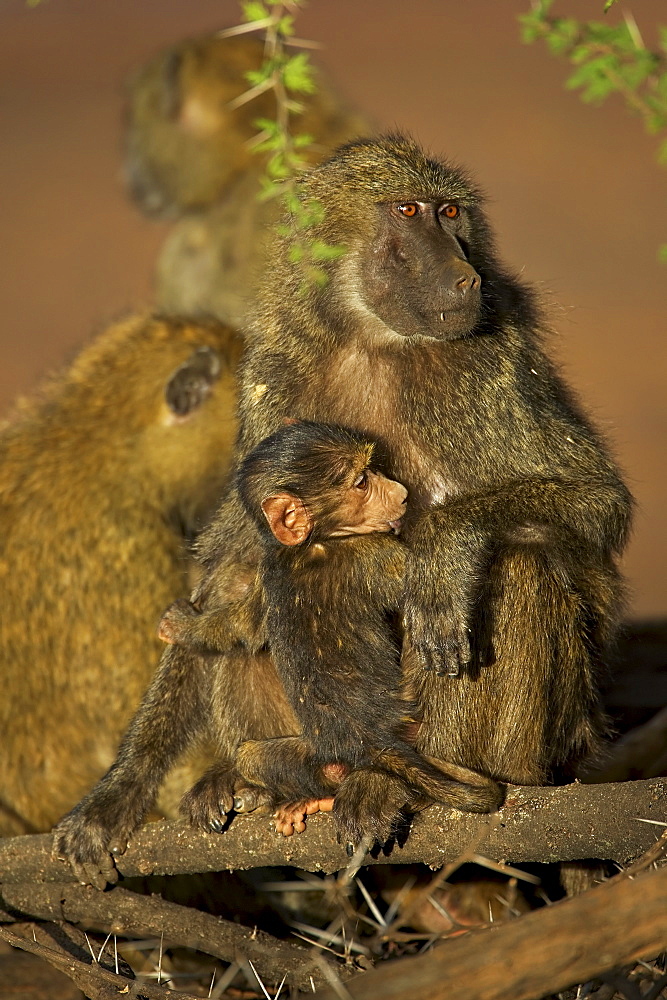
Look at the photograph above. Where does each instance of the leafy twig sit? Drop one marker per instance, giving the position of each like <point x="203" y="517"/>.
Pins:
<point x="288" y="76"/>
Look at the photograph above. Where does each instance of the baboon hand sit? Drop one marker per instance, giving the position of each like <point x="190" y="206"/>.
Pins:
<point x="291" y="817"/>
<point x="368" y="806"/>
<point x="177" y="617"/>
<point x="90" y="846"/>
<point x="440" y="637"/>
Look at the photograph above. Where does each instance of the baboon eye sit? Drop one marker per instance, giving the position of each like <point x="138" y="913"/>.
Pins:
<point x="451" y="211"/>
<point x="408" y="208"/>
<point x="361" y="482"/>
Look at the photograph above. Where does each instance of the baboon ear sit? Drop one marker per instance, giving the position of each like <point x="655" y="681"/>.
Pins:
<point x="288" y="519"/>
<point x="192" y="382"/>
<point x="290" y="421"/>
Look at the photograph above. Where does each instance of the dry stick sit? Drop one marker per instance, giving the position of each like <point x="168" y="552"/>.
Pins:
<point x="570" y="942"/>
<point x="536" y="824"/>
<point x="93" y="980"/>
<point x="122" y="912"/>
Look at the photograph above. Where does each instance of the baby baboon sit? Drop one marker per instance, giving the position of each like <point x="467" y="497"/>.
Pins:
<point x="104" y="476"/>
<point x="187" y="157"/>
<point x="325" y="606"/>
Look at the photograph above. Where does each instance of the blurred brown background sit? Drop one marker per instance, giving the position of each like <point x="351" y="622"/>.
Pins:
<point x="576" y="196"/>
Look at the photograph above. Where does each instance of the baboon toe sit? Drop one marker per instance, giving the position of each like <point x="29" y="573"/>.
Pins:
<point x="250" y="798"/>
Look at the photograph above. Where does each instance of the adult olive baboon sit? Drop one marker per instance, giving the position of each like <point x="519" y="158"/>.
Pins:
<point x="188" y="157"/>
<point x="104" y="476"/>
<point x="421" y="339"/>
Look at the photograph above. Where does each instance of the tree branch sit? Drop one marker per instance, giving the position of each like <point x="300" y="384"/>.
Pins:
<point x="132" y="915"/>
<point x="536" y="824"/>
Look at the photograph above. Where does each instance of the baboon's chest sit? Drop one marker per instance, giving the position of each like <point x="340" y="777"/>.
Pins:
<point x="367" y="392"/>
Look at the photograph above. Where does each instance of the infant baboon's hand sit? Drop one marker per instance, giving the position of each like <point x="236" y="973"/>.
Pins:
<point x="176" y="620"/>
<point x="208" y="804"/>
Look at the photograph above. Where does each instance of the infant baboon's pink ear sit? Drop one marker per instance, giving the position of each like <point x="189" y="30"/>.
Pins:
<point x="288" y="519"/>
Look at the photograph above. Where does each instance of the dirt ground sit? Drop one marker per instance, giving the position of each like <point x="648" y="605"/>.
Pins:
<point x="577" y="197"/>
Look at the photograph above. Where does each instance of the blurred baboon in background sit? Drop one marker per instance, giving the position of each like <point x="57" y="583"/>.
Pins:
<point x="104" y="476"/>
<point x="188" y="158"/>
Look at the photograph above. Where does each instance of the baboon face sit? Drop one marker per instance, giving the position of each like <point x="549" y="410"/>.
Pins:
<point x="371" y="503"/>
<point x="419" y="254"/>
<point x="416" y="276"/>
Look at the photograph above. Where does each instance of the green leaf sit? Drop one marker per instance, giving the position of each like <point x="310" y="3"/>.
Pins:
<point x="608" y="5"/>
<point x="317" y="276"/>
<point x="581" y="53"/>
<point x="636" y="72"/>
<point x="285" y="26"/>
<point x="298" y="74"/>
<point x="662" y="253"/>
<point x="296" y="253"/>
<point x="266" y="125"/>
<point x="656" y="122"/>
<point x="312" y="213"/>
<point x="276" y="168"/>
<point x="562" y="36"/>
<point x="254" y="10"/>
<point x="292" y="203"/>
<point x="257" y="76"/>
<point x="594" y="78"/>
<point x="530" y="32"/>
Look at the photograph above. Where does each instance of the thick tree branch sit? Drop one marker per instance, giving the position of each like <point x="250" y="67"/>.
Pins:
<point x="536" y="824"/>
<point x="127" y="913"/>
<point x="567" y="943"/>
